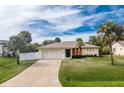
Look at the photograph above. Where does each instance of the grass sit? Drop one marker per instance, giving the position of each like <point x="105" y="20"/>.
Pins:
<point x="92" y="72"/>
<point x="9" y="68"/>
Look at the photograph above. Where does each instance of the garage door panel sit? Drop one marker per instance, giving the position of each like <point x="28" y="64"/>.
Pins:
<point x="52" y="54"/>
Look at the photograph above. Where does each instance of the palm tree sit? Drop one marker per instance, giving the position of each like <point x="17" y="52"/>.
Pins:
<point x="79" y="44"/>
<point x="107" y="30"/>
<point x="119" y="32"/>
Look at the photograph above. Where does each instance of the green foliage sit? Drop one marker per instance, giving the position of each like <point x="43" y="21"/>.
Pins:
<point x="31" y="47"/>
<point x="16" y="43"/>
<point x="105" y="50"/>
<point x="119" y="32"/>
<point x="45" y="42"/>
<point x="57" y="39"/>
<point x="25" y="36"/>
<point x="20" y="41"/>
<point x="79" y="42"/>
<point x="96" y="40"/>
<point x="107" y="32"/>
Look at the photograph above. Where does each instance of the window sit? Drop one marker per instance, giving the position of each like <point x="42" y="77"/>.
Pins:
<point x="90" y="49"/>
<point x="121" y="49"/>
<point x="113" y="49"/>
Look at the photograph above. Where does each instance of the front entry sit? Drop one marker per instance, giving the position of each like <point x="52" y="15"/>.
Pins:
<point x="68" y="52"/>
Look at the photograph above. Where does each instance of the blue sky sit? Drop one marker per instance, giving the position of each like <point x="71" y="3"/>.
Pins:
<point x="48" y="22"/>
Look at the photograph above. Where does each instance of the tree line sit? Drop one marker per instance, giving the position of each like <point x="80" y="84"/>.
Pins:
<point x="22" y="42"/>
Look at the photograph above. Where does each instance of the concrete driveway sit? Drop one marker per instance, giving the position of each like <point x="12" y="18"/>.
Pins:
<point x="43" y="73"/>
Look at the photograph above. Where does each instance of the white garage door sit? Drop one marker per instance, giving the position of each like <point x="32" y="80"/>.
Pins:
<point x="52" y="54"/>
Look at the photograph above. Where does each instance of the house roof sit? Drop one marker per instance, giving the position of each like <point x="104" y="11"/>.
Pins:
<point x="3" y="41"/>
<point x="66" y="44"/>
<point x="90" y="46"/>
<point x="120" y="42"/>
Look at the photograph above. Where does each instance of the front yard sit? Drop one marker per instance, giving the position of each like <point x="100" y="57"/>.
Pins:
<point x="9" y="68"/>
<point x="92" y="71"/>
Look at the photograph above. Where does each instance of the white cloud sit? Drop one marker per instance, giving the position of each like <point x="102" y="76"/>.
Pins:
<point x="57" y="12"/>
<point x="93" y="19"/>
<point x="64" y="24"/>
<point x="13" y="17"/>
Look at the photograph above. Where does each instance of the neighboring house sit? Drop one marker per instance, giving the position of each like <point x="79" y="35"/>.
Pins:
<point x="66" y="49"/>
<point x="3" y="47"/>
<point x="118" y="48"/>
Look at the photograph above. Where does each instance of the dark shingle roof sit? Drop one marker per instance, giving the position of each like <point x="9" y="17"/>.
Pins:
<point x="66" y="44"/>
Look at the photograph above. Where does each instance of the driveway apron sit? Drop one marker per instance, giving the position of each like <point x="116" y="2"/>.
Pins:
<point x="43" y="73"/>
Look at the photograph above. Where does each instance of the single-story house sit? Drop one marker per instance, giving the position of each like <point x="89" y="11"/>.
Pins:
<point x="118" y="48"/>
<point x="3" y="47"/>
<point x="66" y="49"/>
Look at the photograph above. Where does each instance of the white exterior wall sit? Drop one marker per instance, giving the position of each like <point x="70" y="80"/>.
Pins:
<point x="90" y="51"/>
<point x="63" y="54"/>
<point x="5" y="50"/>
<point x="117" y="49"/>
<point x="40" y="51"/>
<point x="1" y="50"/>
<point x="29" y="56"/>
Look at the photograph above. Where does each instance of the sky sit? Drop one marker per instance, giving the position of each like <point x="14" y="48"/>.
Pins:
<point x="50" y="21"/>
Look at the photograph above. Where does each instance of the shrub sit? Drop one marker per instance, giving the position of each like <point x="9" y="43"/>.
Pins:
<point x="83" y="56"/>
<point x="105" y="50"/>
<point x="9" y="55"/>
<point x="78" y="56"/>
<point x="13" y="54"/>
<point x="95" y="55"/>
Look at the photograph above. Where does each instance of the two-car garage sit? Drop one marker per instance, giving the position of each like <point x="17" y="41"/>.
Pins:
<point x="51" y="54"/>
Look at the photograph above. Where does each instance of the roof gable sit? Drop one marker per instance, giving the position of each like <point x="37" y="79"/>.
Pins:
<point x="120" y="42"/>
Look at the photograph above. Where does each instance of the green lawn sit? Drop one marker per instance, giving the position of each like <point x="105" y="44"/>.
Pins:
<point x="92" y="71"/>
<point x="9" y="68"/>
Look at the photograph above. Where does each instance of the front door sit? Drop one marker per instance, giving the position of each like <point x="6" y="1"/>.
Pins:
<point x="68" y="52"/>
